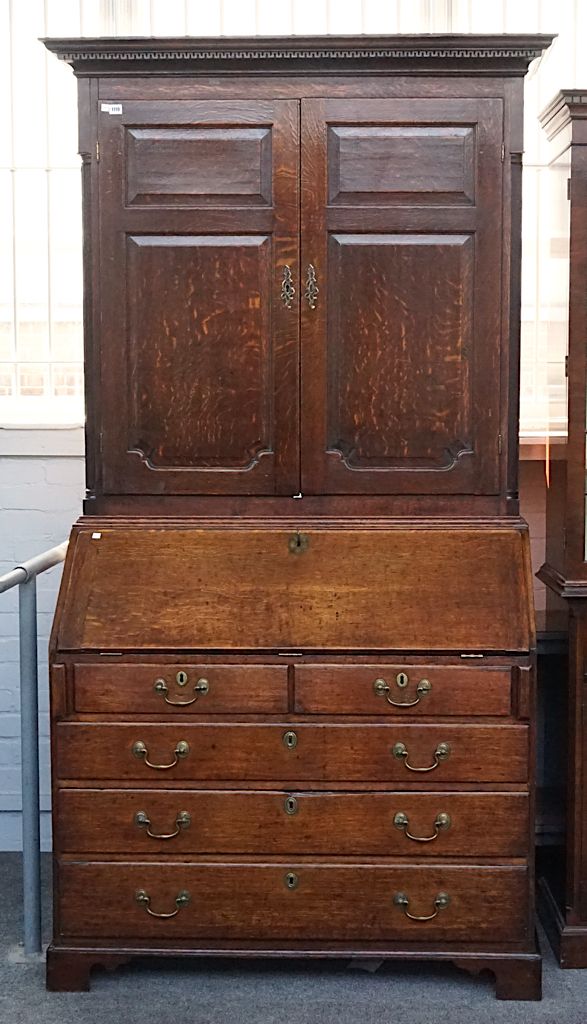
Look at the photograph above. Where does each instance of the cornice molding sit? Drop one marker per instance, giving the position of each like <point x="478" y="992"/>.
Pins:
<point x="568" y="105"/>
<point x="85" y="54"/>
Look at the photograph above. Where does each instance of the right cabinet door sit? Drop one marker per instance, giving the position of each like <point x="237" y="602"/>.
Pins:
<point x="402" y="312"/>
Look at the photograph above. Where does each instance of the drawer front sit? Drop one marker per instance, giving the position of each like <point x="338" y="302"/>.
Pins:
<point x="179" y="689"/>
<point x="402" y="690"/>
<point x="288" y="751"/>
<point x="136" y="822"/>
<point x="293" y="900"/>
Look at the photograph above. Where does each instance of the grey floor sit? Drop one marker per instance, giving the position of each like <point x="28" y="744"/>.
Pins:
<point x="268" y="992"/>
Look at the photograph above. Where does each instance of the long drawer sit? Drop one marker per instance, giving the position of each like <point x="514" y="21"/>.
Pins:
<point x="180" y="688"/>
<point x="292" y="900"/>
<point x="403" y="689"/>
<point x="136" y="822"/>
<point x="192" y="751"/>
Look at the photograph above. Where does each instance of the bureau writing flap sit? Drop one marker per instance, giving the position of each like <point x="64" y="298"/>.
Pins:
<point x="285" y="588"/>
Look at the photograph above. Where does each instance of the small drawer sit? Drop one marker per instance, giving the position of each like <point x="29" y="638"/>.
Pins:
<point x="421" y="825"/>
<point x="174" y="689"/>
<point x="293" y="900"/>
<point x="189" y="751"/>
<point x="392" y="689"/>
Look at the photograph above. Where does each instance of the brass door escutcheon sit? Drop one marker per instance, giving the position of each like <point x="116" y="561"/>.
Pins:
<point x="291" y="880"/>
<point x="441" y="753"/>
<point x="290" y="739"/>
<point x="442" y="824"/>
<point x="382" y="689"/>
<point x="298" y="543"/>
<point x="144" y="900"/>
<point x="287" y="288"/>
<point x="290" y="805"/>
<point x="440" y="903"/>
<point x="140" y="751"/>
<point x="201" y="687"/>
<point x="183" y="820"/>
<point x="311" y="292"/>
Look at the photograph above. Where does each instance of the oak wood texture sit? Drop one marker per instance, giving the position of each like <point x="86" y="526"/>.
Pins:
<point x="478" y="753"/>
<point x="96" y="821"/>
<point x="296" y="486"/>
<point x="350" y="901"/>
<point x="202" y="366"/>
<point x="353" y="588"/>
<point x="233" y="689"/>
<point x="394" y="394"/>
<point x="454" y="690"/>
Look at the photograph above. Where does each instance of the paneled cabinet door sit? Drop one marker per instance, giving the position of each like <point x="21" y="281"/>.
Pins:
<point x="401" y="320"/>
<point x="198" y="329"/>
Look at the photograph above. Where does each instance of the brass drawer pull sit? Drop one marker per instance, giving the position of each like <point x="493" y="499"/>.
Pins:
<point x="144" y="900"/>
<point x="182" y="821"/>
<point x="382" y="689"/>
<point x="312" y="289"/>
<point x="287" y="288"/>
<point x="201" y="687"/>
<point x="442" y="824"/>
<point x="440" y="903"/>
<point x="440" y="754"/>
<point x="140" y="751"/>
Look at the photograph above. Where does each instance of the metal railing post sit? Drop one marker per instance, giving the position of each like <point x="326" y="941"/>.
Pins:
<point x="29" y="745"/>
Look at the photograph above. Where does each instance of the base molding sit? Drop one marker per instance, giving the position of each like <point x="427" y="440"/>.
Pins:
<point x="569" y="942"/>
<point x="517" y="975"/>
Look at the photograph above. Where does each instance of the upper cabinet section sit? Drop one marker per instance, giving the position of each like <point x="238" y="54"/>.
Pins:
<point x="302" y="272"/>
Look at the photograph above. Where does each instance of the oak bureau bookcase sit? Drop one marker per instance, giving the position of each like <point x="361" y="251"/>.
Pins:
<point x="292" y="663"/>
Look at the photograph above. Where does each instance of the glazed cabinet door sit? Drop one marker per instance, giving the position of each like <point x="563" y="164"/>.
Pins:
<point x="199" y="329"/>
<point x="401" y="317"/>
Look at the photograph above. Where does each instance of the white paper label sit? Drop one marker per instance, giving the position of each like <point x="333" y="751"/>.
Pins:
<point x="111" y="108"/>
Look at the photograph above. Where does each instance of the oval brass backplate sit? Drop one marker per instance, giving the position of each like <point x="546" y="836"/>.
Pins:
<point x="290" y="739"/>
<point x="298" y="543"/>
<point x="290" y="805"/>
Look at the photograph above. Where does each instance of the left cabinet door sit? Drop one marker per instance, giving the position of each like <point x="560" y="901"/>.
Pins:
<point x="198" y="337"/>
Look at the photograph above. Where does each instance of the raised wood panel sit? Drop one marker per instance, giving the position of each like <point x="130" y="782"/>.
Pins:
<point x="193" y="166"/>
<point x="95" y="822"/>
<point x="382" y="164"/>
<point x="198" y="354"/>
<point x="198" y="349"/>
<point x="400" y="342"/>
<point x="331" y="901"/>
<point x="247" y="588"/>
<point x="323" y="752"/>
<point x="401" y="220"/>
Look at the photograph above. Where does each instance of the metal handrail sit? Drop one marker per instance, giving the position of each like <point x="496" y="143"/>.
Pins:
<point x="25" y="578"/>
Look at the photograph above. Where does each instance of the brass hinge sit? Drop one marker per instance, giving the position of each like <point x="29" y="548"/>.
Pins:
<point x="98" y="152"/>
<point x="566" y="365"/>
<point x="499" y="443"/>
<point x="502" y="152"/>
<point x="568" y="188"/>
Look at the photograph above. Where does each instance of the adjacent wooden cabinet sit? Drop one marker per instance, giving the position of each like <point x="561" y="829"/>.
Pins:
<point x="293" y="658"/>
<point x="564" y="882"/>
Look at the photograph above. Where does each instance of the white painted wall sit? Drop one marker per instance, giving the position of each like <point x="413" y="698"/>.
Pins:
<point x="41" y="472"/>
